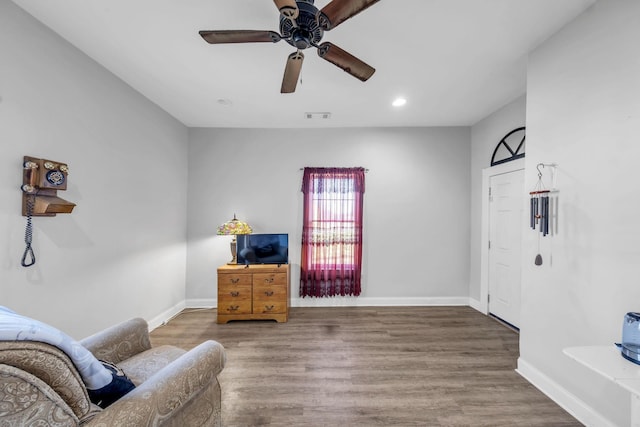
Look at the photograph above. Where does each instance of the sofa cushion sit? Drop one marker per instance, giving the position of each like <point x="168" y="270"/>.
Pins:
<point x="143" y="365"/>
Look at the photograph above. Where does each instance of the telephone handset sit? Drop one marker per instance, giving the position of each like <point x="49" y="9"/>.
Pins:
<point x="41" y="179"/>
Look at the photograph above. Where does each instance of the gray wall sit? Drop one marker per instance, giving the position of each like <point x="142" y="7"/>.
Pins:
<point x="416" y="248"/>
<point x="122" y="251"/>
<point x="583" y="105"/>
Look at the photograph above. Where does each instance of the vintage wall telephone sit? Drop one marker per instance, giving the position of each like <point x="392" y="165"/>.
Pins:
<point x="41" y="180"/>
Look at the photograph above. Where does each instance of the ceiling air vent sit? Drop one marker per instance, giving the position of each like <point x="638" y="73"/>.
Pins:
<point x="312" y="116"/>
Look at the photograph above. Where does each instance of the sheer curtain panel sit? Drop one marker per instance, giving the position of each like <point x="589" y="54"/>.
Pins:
<point x="332" y="232"/>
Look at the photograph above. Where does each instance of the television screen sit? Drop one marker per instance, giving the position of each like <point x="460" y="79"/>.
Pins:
<point x="263" y="248"/>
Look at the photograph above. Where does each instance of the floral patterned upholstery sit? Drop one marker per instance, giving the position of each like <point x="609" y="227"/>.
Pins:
<point x="26" y="397"/>
<point x="50" y="365"/>
<point x="40" y="386"/>
<point x="143" y="365"/>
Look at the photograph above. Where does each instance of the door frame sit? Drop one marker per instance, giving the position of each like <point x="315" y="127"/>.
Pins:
<point x="487" y="173"/>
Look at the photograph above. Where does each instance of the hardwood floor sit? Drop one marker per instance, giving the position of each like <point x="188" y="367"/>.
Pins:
<point x="369" y="366"/>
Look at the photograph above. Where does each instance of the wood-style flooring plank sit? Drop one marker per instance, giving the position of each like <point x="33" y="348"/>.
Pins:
<point x="369" y="366"/>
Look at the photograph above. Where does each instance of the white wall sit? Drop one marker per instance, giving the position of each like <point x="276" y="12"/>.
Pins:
<point x="122" y="251"/>
<point x="485" y="136"/>
<point x="583" y="113"/>
<point x="416" y="248"/>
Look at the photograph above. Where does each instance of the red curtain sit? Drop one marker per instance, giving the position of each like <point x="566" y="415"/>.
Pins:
<point x="332" y="232"/>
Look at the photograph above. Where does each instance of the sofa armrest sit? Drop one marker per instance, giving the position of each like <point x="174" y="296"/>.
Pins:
<point x="119" y="342"/>
<point x="167" y="391"/>
<point x="51" y="365"/>
<point x="26" y="397"/>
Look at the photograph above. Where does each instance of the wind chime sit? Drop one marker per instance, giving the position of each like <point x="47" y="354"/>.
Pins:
<point x="539" y="210"/>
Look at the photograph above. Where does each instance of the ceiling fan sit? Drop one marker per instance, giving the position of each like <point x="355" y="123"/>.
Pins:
<point x="302" y="25"/>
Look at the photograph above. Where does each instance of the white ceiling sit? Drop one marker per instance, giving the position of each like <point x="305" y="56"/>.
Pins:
<point x="456" y="61"/>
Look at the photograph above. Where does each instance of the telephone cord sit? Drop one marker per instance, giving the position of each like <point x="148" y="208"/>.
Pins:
<point x="28" y="235"/>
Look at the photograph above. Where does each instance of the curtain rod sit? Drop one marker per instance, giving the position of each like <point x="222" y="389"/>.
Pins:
<point x="365" y="170"/>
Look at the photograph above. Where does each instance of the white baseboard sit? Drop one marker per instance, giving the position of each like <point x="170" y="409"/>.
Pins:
<point x="377" y="302"/>
<point x="475" y="304"/>
<point x="166" y="315"/>
<point x="202" y="303"/>
<point x="351" y="302"/>
<point x="566" y="400"/>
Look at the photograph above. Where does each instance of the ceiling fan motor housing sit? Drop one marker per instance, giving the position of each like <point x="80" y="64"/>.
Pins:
<point x="307" y="31"/>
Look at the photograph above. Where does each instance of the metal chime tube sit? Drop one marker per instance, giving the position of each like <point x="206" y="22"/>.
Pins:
<point x="532" y="213"/>
<point x="545" y="216"/>
<point x="539" y="213"/>
<point x="544" y="220"/>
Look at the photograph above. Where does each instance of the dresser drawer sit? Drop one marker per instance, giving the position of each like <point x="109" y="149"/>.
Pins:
<point x="267" y="292"/>
<point x="269" y="298"/>
<point x="234" y="279"/>
<point x="269" y="306"/>
<point x="269" y="279"/>
<point x="234" y="299"/>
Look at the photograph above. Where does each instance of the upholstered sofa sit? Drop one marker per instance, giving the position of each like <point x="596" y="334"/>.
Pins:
<point x="39" y="386"/>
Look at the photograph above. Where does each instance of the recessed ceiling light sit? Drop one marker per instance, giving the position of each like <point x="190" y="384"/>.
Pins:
<point x="322" y="115"/>
<point x="399" y="102"/>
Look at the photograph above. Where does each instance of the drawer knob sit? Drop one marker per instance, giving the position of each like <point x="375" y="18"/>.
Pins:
<point x="233" y="308"/>
<point x="268" y="307"/>
<point x="235" y="294"/>
<point x="235" y="280"/>
<point x="269" y="280"/>
<point x="268" y="293"/>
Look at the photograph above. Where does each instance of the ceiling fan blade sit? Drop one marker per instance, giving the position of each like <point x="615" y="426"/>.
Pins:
<point x="339" y="11"/>
<point x="240" y="36"/>
<point x="346" y="61"/>
<point x="287" y="8"/>
<point x="292" y="72"/>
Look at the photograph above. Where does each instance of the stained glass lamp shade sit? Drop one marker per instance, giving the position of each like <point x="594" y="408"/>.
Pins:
<point x="234" y="227"/>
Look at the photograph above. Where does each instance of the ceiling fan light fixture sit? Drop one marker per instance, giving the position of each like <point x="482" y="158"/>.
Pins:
<point x="300" y="40"/>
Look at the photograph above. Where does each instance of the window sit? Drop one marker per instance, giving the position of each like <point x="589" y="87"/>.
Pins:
<point x="332" y="232"/>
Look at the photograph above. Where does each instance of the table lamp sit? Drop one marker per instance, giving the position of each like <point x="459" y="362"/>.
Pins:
<point x="234" y="227"/>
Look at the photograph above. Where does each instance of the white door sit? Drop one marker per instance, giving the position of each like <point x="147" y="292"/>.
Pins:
<point x="505" y="245"/>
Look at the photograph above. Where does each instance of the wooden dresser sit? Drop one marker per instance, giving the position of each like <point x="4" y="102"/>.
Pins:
<point x="253" y="292"/>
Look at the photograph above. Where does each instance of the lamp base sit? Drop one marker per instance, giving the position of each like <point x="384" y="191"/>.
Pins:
<point x="234" y="258"/>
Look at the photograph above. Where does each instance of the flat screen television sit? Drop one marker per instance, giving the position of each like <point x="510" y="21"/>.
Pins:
<point x="262" y="248"/>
